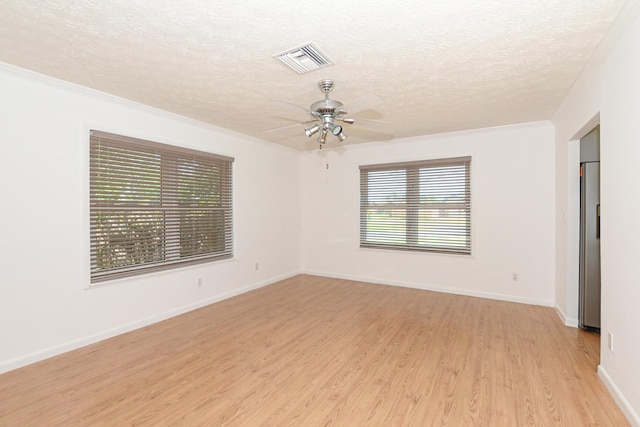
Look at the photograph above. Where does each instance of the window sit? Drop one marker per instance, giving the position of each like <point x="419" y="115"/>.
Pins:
<point x="423" y="205"/>
<point x="154" y="206"/>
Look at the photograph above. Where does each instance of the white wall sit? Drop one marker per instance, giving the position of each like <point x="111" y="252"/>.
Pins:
<point x="524" y="212"/>
<point x="608" y="92"/>
<point x="512" y="215"/>
<point x="44" y="306"/>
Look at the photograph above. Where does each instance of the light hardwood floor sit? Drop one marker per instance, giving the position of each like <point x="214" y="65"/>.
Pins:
<point x="313" y="351"/>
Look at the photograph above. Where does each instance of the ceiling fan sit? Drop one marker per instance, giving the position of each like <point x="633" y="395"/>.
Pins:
<point x="328" y="114"/>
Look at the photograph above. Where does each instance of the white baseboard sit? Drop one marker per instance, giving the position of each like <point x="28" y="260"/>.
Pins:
<point x="568" y="321"/>
<point x="56" y="350"/>
<point x="426" y="287"/>
<point x="623" y="404"/>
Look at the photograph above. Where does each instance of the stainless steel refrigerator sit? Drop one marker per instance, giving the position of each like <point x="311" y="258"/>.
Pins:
<point x="589" y="307"/>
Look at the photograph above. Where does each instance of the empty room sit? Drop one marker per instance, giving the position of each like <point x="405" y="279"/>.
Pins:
<point x="362" y="213"/>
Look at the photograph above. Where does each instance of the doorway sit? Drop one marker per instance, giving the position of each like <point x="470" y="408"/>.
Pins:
<point x="589" y="244"/>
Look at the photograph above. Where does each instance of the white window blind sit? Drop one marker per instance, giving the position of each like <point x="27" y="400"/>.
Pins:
<point x="155" y="206"/>
<point x="424" y="205"/>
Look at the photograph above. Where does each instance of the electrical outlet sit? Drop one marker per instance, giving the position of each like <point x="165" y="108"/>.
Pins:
<point x="199" y="281"/>
<point x="257" y="267"/>
<point x="610" y="341"/>
<point x="514" y="277"/>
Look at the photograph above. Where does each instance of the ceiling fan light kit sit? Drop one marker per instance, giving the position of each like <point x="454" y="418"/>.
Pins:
<point x="313" y="129"/>
<point x="323" y="137"/>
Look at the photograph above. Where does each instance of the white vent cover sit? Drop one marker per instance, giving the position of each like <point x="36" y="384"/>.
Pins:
<point x="304" y="58"/>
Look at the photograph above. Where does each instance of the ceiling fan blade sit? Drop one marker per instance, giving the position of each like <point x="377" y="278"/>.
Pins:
<point x="296" y="124"/>
<point x="363" y="134"/>
<point x="283" y="127"/>
<point x="363" y="103"/>
<point x="294" y="107"/>
<point x="369" y="123"/>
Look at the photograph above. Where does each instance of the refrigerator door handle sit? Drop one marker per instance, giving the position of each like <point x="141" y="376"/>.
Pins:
<point x="598" y="221"/>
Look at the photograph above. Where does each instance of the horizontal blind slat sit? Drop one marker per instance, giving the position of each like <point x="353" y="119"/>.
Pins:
<point x="155" y="206"/>
<point x="422" y="205"/>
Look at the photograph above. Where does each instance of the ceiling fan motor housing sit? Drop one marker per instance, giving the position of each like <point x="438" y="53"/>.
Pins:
<point x="326" y="107"/>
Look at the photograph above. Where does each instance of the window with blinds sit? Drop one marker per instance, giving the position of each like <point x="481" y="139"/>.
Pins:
<point x="155" y="206"/>
<point x="424" y="205"/>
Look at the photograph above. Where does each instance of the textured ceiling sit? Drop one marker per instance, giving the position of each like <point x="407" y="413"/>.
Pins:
<point x="440" y="66"/>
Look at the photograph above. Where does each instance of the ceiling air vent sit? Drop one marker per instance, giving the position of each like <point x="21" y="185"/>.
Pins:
<point x="304" y="58"/>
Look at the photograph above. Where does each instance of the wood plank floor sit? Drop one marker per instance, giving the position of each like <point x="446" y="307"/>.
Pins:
<point x="312" y="351"/>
